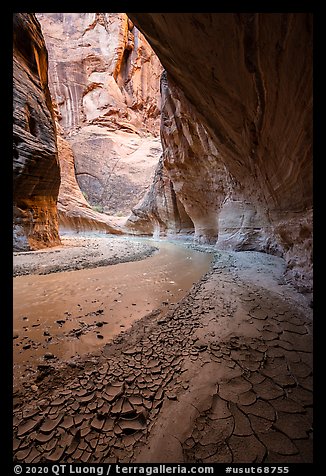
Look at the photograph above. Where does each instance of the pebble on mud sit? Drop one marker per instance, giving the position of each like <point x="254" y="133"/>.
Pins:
<point x="171" y="396"/>
<point x="61" y="321"/>
<point x="48" y="355"/>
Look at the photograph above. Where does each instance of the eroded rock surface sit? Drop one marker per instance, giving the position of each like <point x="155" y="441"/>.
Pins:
<point x="103" y="72"/>
<point x="35" y="158"/>
<point x="160" y="212"/>
<point x="249" y="79"/>
<point x="114" y="168"/>
<point x="73" y="209"/>
<point x="179" y="203"/>
<point x="104" y="78"/>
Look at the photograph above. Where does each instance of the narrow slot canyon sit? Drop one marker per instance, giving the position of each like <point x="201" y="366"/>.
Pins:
<point x="162" y="238"/>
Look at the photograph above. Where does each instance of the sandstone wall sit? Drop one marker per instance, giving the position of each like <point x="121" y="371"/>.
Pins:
<point x="114" y="168"/>
<point x="192" y="190"/>
<point x="36" y="175"/>
<point x="102" y="71"/>
<point x="73" y="209"/>
<point x="104" y="78"/>
<point x="249" y="78"/>
<point x="160" y="212"/>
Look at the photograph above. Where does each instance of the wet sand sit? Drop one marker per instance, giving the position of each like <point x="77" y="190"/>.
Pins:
<point x="64" y="315"/>
<point x="85" y="250"/>
<point x="224" y="376"/>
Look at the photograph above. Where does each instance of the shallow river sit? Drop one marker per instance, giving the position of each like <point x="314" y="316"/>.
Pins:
<point x="76" y="312"/>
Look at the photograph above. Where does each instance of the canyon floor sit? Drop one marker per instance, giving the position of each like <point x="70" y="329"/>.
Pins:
<point x="223" y="375"/>
<point x="79" y="252"/>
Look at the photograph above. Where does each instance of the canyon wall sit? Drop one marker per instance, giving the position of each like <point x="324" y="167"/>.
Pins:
<point x="160" y="212"/>
<point x="186" y="197"/>
<point x="104" y="79"/>
<point x="36" y="173"/>
<point x="236" y="127"/>
<point x="73" y="209"/>
<point x="248" y="77"/>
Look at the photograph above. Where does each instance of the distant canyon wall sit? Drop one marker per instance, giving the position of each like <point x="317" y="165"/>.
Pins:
<point x="102" y="71"/>
<point x="104" y="79"/>
<point x="74" y="212"/>
<point x="36" y="176"/>
<point x="248" y="146"/>
<point x="38" y="157"/>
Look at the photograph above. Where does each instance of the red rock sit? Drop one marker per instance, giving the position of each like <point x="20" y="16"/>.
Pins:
<point x="233" y="103"/>
<point x="74" y="210"/>
<point x="36" y="167"/>
<point x="107" y="102"/>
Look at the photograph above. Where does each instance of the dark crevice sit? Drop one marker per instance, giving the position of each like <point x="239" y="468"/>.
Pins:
<point x="123" y="74"/>
<point x="32" y="124"/>
<point x="252" y="62"/>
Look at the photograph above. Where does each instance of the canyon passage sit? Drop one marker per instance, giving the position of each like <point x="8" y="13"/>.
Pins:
<point x="163" y="208"/>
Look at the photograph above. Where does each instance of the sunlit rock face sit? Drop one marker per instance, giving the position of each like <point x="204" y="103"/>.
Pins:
<point x="114" y="168"/>
<point x="36" y="175"/>
<point x="102" y="70"/>
<point x="249" y="79"/>
<point x="73" y="209"/>
<point x="104" y="78"/>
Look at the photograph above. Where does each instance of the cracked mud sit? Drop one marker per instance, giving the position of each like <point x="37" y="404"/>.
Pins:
<point x="225" y="376"/>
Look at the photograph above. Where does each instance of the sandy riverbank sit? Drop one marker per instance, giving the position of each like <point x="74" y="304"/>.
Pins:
<point x="80" y="252"/>
<point x="223" y="376"/>
<point x="64" y="315"/>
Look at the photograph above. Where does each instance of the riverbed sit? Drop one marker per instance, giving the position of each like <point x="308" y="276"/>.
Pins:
<point x="181" y="383"/>
<point x="64" y="315"/>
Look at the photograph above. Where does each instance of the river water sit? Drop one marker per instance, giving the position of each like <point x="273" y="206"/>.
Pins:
<point x="62" y="315"/>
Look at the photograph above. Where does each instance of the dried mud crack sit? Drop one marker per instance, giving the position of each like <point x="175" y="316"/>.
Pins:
<point x="225" y="376"/>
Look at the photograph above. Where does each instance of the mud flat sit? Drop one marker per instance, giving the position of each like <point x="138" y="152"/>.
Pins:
<point x="64" y="315"/>
<point x="80" y="252"/>
<point x="225" y="375"/>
